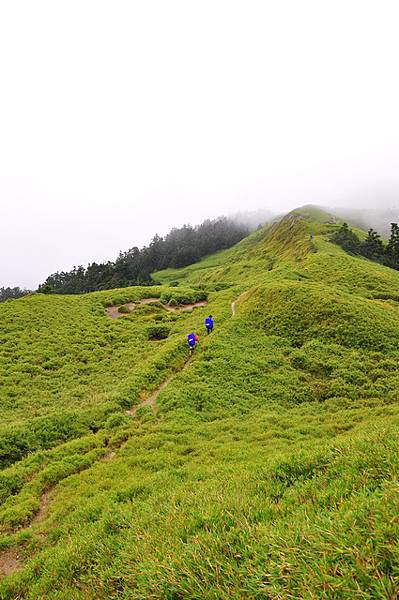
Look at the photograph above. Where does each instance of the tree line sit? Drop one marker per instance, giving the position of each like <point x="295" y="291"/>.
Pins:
<point x="179" y="248"/>
<point x="373" y="247"/>
<point x="8" y="293"/>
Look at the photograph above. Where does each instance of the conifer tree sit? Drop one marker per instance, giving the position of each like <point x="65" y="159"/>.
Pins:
<point x="347" y="239"/>
<point x="392" y="249"/>
<point x="180" y="247"/>
<point x="373" y="246"/>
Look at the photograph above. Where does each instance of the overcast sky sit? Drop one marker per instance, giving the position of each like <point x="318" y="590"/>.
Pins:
<point x="122" y="119"/>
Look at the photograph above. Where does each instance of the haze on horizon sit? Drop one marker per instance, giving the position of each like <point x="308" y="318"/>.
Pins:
<point x="122" y="120"/>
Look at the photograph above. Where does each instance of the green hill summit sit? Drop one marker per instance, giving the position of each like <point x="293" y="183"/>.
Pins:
<point x="265" y="466"/>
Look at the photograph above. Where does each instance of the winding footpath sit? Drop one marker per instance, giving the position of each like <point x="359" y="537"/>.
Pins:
<point x="234" y="303"/>
<point x="233" y="308"/>
<point x="10" y="559"/>
<point x="152" y="399"/>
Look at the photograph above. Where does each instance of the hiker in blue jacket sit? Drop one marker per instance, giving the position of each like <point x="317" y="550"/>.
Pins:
<point x="209" y="324"/>
<point x="192" y="340"/>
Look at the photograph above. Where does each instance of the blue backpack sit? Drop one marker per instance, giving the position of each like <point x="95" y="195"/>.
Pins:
<point x="191" y="339"/>
<point x="209" y="323"/>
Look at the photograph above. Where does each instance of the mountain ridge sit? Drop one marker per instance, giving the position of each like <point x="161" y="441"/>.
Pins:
<point x="266" y="466"/>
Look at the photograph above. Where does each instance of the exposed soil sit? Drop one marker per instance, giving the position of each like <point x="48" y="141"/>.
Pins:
<point x="148" y="300"/>
<point x="112" y="311"/>
<point x="10" y="559"/>
<point x="233" y="308"/>
<point x="109" y="456"/>
<point x="151" y="400"/>
<point x="186" y="307"/>
<point x="44" y="502"/>
<point x="10" y="562"/>
<point x="234" y="304"/>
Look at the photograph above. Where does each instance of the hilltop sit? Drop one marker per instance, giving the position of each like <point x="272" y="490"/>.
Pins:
<point x="264" y="467"/>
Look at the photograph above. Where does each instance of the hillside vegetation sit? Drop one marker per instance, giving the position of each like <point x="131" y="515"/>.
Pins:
<point x="267" y="467"/>
<point x="180" y="247"/>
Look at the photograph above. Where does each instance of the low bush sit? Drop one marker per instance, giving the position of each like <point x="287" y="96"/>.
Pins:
<point x="47" y="432"/>
<point x="158" y="332"/>
<point x="183" y="296"/>
<point x="124" y="309"/>
<point x="10" y="484"/>
<point x="116" y="420"/>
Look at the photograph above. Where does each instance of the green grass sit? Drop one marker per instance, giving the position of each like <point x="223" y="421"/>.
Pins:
<point x="272" y="468"/>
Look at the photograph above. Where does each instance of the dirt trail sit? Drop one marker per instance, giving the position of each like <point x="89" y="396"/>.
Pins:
<point x="151" y="400"/>
<point x="109" y="456"/>
<point x="10" y="559"/>
<point x="44" y="502"/>
<point x="113" y="312"/>
<point x="148" y="300"/>
<point x="233" y="308"/>
<point x="10" y="562"/>
<point x="234" y="303"/>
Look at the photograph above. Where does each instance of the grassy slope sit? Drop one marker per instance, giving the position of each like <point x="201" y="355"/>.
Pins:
<point x="272" y="472"/>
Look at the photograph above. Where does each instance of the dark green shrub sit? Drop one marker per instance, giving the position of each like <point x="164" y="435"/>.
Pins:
<point x="47" y="432"/>
<point x="10" y="484"/>
<point x="300" y="360"/>
<point x="221" y="286"/>
<point x="148" y="309"/>
<point x="386" y="296"/>
<point x="116" y="420"/>
<point x="124" y="309"/>
<point x="158" y="332"/>
<point x="183" y="296"/>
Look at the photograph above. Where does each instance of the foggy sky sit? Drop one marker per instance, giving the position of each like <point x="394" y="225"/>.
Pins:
<point x="122" y="119"/>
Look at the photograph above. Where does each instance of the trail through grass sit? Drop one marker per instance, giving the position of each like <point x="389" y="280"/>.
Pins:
<point x="151" y="400"/>
<point x="265" y="467"/>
